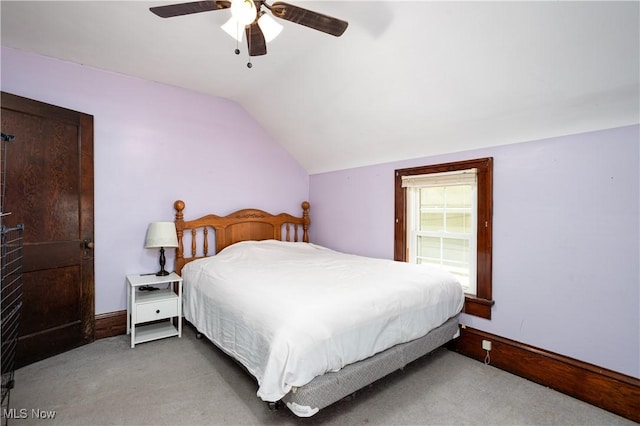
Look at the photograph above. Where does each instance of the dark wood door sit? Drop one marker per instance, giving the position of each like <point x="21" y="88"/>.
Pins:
<point x="49" y="189"/>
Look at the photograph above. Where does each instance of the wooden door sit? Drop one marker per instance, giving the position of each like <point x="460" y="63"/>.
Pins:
<point x="49" y="189"/>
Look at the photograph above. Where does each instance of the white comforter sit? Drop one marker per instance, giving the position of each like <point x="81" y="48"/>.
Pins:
<point x="292" y="311"/>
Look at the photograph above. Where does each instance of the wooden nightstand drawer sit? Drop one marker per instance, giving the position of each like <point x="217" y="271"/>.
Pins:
<point x="157" y="310"/>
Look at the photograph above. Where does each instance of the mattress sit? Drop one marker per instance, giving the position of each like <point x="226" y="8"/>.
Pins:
<point x="290" y="312"/>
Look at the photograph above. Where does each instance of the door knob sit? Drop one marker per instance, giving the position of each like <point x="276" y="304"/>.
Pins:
<point x="88" y="244"/>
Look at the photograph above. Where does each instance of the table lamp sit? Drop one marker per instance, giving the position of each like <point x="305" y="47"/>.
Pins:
<point x="161" y="234"/>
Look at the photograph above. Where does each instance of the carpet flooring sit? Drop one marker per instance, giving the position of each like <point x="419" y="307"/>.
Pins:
<point x="186" y="381"/>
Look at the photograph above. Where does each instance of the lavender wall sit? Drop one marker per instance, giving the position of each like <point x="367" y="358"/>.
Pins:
<point x="566" y="239"/>
<point x="155" y="144"/>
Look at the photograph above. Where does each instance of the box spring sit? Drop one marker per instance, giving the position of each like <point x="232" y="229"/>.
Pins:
<point x="324" y="390"/>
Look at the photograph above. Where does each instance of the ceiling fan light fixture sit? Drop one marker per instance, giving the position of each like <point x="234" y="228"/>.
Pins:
<point x="244" y="11"/>
<point x="270" y="28"/>
<point x="248" y="17"/>
<point x="234" y="29"/>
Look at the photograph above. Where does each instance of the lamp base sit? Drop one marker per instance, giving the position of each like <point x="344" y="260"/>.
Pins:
<point x="162" y="271"/>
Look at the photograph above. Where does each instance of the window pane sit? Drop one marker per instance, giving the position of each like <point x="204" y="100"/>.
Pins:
<point x="459" y="196"/>
<point x="452" y="251"/>
<point x="429" y="247"/>
<point x="449" y="253"/>
<point x="459" y="222"/>
<point x="456" y="250"/>
<point x="431" y="221"/>
<point x="462" y="274"/>
<point x="432" y="197"/>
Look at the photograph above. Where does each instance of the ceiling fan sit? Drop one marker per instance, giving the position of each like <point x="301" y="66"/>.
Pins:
<point x="247" y="16"/>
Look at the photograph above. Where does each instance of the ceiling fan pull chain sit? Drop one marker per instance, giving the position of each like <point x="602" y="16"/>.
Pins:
<point x="237" y="51"/>
<point x="249" y="64"/>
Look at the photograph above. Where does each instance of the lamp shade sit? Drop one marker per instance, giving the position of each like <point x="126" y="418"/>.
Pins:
<point x="244" y="11"/>
<point x="270" y="28"/>
<point x="161" y="234"/>
<point x="233" y="28"/>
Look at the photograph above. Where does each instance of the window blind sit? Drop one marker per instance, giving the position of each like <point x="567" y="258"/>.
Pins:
<point x="461" y="177"/>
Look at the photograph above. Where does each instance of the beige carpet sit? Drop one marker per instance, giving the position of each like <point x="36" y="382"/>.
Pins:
<point x="188" y="382"/>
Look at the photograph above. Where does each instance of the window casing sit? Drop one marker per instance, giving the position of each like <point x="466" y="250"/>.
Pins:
<point x="443" y="216"/>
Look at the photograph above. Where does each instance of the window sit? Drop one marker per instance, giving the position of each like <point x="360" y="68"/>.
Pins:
<point x="443" y="216"/>
<point x="441" y="229"/>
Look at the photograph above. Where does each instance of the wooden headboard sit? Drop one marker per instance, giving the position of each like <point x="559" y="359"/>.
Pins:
<point x="242" y="225"/>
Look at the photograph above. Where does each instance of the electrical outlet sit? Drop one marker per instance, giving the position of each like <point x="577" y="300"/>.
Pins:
<point x="486" y="345"/>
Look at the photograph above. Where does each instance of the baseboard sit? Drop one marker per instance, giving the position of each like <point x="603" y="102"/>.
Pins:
<point x="597" y="386"/>
<point x="111" y="324"/>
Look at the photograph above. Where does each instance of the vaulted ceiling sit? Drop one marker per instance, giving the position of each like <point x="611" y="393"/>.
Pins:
<point x="407" y="79"/>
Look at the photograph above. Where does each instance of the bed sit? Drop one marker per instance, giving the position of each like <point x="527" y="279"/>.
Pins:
<point x="310" y="324"/>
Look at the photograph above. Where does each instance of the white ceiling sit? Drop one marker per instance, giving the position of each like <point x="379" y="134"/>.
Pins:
<point x="407" y="79"/>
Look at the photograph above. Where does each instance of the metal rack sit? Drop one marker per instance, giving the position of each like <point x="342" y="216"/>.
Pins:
<point x="11" y="303"/>
<point x="11" y="241"/>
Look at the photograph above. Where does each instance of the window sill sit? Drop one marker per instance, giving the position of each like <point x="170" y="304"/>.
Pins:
<point x="477" y="306"/>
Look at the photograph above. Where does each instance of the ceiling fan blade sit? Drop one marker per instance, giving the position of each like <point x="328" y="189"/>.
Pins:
<point x="310" y="19"/>
<point x="189" y="8"/>
<point x="255" y="40"/>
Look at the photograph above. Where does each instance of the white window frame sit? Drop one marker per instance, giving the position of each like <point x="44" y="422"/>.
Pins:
<point x="414" y="183"/>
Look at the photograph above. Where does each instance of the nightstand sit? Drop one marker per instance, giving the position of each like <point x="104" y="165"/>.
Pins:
<point x="150" y="314"/>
